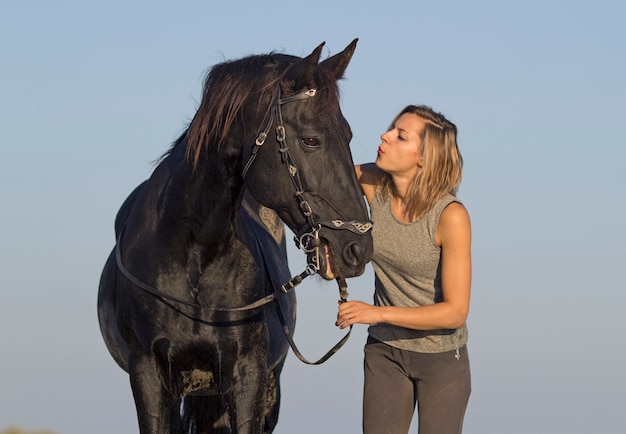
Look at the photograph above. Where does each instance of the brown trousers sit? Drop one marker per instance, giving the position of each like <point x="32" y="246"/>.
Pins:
<point x="395" y="380"/>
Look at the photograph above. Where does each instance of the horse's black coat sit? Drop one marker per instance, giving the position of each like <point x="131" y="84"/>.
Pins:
<point x="187" y="234"/>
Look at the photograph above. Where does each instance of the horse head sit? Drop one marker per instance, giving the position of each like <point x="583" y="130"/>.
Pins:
<point x="305" y="170"/>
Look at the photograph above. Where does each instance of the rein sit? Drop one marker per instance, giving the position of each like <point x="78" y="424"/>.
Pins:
<point x="307" y="240"/>
<point x="274" y="296"/>
<point x="167" y="297"/>
<point x="293" y="282"/>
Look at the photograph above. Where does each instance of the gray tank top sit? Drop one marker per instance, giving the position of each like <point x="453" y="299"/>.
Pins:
<point x="406" y="262"/>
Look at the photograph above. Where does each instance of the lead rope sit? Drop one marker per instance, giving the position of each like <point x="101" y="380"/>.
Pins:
<point x="343" y="296"/>
<point x="343" y="289"/>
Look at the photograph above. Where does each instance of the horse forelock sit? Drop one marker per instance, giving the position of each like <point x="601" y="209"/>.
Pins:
<point x="230" y="85"/>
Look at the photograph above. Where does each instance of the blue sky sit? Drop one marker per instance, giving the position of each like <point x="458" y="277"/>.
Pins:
<point x="92" y="92"/>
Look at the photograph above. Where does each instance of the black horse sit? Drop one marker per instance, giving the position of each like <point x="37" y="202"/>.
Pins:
<point x="191" y="298"/>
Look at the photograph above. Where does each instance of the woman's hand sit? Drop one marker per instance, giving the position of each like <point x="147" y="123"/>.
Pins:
<point x="356" y="312"/>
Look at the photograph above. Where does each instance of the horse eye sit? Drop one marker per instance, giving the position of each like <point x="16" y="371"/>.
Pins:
<point x="310" y="142"/>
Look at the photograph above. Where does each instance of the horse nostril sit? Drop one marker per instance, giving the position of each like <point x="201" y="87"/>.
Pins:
<point x="352" y="254"/>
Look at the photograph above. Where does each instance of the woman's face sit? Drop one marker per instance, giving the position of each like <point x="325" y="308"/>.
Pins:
<point x="400" y="150"/>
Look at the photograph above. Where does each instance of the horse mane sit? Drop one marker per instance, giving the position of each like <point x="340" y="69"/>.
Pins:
<point x="227" y="87"/>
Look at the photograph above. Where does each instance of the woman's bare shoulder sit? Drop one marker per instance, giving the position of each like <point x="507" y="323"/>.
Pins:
<point x="369" y="176"/>
<point x="454" y="224"/>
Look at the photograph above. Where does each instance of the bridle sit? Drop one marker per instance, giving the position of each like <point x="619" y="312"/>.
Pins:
<point x="308" y="238"/>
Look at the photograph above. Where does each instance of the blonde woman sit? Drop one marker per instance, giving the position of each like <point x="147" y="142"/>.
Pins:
<point x="416" y="350"/>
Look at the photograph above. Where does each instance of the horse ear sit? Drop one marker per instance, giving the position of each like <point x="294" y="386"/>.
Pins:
<point x="303" y="70"/>
<point x="338" y="63"/>
<point x="335" y="65"/>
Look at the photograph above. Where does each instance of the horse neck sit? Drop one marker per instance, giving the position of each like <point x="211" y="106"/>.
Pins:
<point x="201" y="204"/>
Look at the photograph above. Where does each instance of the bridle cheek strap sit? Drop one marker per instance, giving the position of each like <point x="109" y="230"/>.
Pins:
<point x="312" y="227"/>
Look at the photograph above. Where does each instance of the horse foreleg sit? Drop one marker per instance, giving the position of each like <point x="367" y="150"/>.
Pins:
<point x="176" y="422"/>
<point x="152" y="402"/>
<point x="246" y="397"/>
<point x="205" y="414"/>
<point x="272" y="405"/>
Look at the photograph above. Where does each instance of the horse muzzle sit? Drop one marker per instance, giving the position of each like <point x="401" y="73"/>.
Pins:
<point x="345" y="258"/>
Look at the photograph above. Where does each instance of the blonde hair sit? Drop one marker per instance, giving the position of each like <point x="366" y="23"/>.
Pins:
<point x="442" y="169"/>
